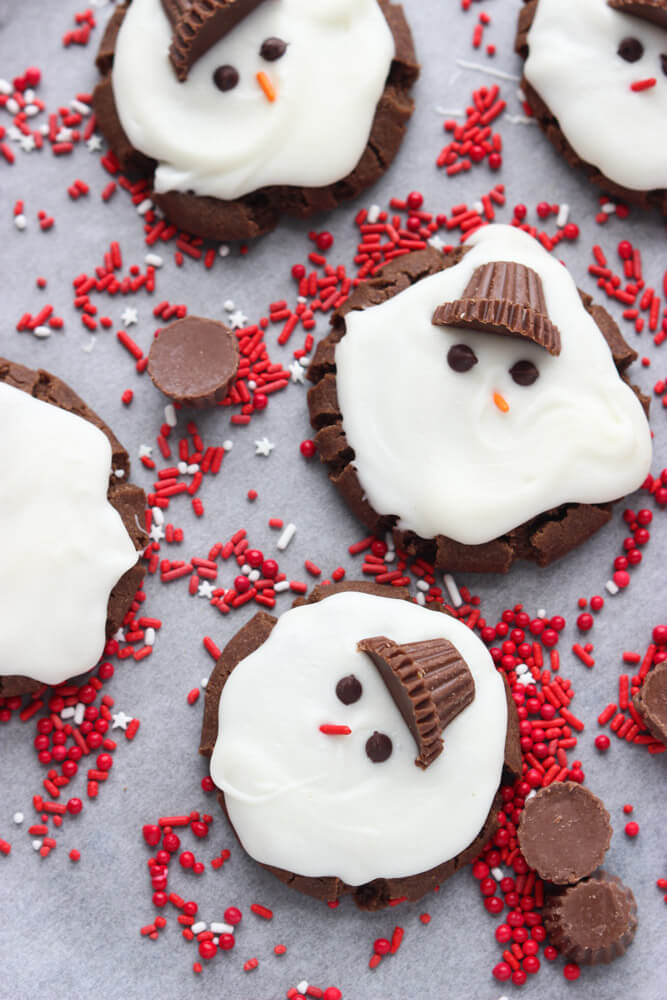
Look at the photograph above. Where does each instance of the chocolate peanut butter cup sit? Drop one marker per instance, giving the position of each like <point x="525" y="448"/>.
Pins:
<point x="194" y="361"/>
<point x="592" y="922"/>
<point x="651" y="702"/>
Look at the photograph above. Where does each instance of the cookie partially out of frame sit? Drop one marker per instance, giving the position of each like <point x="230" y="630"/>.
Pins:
<point x="377" y="893"/>
<point x="542" y="538"/>
<point x="128" y="500"/>
<point x="258" y="211"/>
<point x="611" y="53"/>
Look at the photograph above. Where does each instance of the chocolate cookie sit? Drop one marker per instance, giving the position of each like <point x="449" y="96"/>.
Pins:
<point x="194" y="361"/>
<point x="347" y="733"/>
<point x="225" y="155"/>
<point x="596" y="73"/>
<point x="108" y="552"/>
<point x="442" y="382"/>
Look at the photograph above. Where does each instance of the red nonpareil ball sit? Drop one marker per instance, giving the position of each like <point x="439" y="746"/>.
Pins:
<point x="307" y="448"/>
<point x="602" y="742"/>
<point x="324" y="240"/>
<point x="260" y="401"/>
<point x="585" y="622"/>
<point x="415" y="200"/>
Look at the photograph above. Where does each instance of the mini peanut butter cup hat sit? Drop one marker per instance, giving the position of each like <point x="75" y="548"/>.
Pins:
<point x="649" y="10"/>
<point x="592" y="922"/>
<point x="197" y="26"/>
<point x="564" y="832"/>
<point x="506" y="298"/>
<point x="651" y="701"/>
<point x="430" y="683"/>
<point x="194" y="361"/>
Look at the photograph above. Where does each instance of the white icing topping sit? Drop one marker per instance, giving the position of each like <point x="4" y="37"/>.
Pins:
<point x="315" y="804"/>
<point x="574" y="66"/>
<point x="430" y="445"/>
<point x="226" y="144"/>
<point x="64" y="546"/>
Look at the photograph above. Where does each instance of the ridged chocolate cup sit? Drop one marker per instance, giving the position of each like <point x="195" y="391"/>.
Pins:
<point x="194" y="361"/>
<point x="592" y="922"/>
<point x="430" y="683"/>
<point x="564" y="832"/>
<point x="654" y="11"/>
<point x="198" y="25"/>
<point x="651" y="701"/>
<point x="506" y="298"/>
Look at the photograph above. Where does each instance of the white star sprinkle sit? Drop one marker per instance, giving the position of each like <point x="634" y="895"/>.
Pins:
<point x="119" y="635"/>
<point x="27" y="143"/>
<point x="237" y="319"/>
<point x="145" y="451"/>
<point x="64" y="135"/>
<point x="121" y="720"/>
<point x="264" y="447"/>
<point x="436" y="243"/>
<point x="129" y="316"/>
<point x="156" y="533"/>
<point x="205" y="589"/>
<point x="297" y="371"/>
<point x="94" y="144"/>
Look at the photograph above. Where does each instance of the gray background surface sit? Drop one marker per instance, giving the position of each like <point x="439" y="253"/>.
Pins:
<point x="73" y="930"/>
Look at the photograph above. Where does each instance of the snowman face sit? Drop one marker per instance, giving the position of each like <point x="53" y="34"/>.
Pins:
<point x="468" y="434"/>
<point x="603" y="74"/>
<point x="61" y="538"/>
<point x="288" y="96"/>
<point x="318" y="765"/>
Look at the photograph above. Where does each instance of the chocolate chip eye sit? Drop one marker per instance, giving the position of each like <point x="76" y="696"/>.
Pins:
<point x="631" y="49"/>
<point x="461" y="358"/>
<point x="225" y="77"/>
<point x="663" y="62"/>
<point x="272" y="49"/>
<point x="349" y="689"/>
<point x="378" y="747"/>
<point x="524" y="373"/>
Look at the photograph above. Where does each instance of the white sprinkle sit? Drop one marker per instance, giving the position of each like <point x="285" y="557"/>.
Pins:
<point x="521" y="120"/>
<point x="281" y="586"/>
<point x="36" y="844"/>
<point x="521" y="668"/>
<point x="609" y="208"/>
<point x="88" y="346"/>
<point x="464" y="64"/>
<point x="79" y="106"/>
<point x="119" y="473"/>
<point x="497" y="874"/>
<point x="67" y="713"/>
<point x="43" y="130"/>
<point x="390" y="556"/>
<point x="12" y="106"/>
<point x="144" y="206"/>
<point x="193" y="468"/>
<point x="223" y="250"/>
<point x="422" y="585"/>
<point x="145" y="451"/>
<point x="220" y="928"/>
<point x="30" y="110"/>
<point x="18" y="818"/>
<point x="525" y="679"/>
<point x="449" y="112"/>
<point x="182" y="467"/>
<point x="198" y="927"/>
<point x="29" y="95"/>
<point x="228" y="445"/>
<point x="452" y="590"/>
<point x="79" y="713"/>
<point x="254" y="575"/>
<point x="228" y="306"/>
<point x="421" y="599"/>
<point x="541" y="613"/>
<point x="611" y="587"/>
<point x="216" y="941"/>
<point x="20" y="221"/>
<point x="287" y="536"/>
<point x="170" y="415"/>
<point x="531" y="793"/>
<point x="6" y="87"/>
<point x="149" y="636"/>
<point x="246" y="569"/>
<point x="373" y="214"/>
<point x="302" y="986"/>
<point x="158" y="516"/>
<point x="204" y="684"/>
<point x="42" y="331"/>
<point x="563" y="214"/>
<point x="252" y="384"/>
<point x="478" y="207"/>
<point x="153" y="260"/>
<point x="301" y="300"/>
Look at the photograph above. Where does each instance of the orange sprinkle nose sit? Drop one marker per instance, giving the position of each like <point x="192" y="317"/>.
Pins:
<point x="501" y="402"/>
<point x="266" y="85"/>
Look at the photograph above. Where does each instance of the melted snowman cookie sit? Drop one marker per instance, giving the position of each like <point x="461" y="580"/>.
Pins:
<point x="70" y="532"/>
<point x="451" y="397"/>
<point x="243" y="109"/>
<point x="596" y="77"/>
<point x="344" y="738"/>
